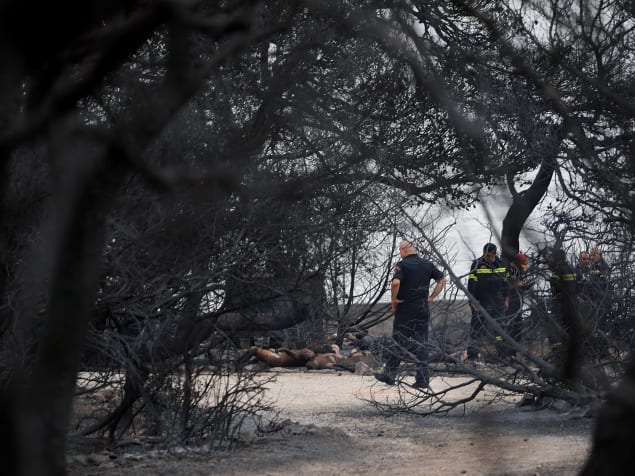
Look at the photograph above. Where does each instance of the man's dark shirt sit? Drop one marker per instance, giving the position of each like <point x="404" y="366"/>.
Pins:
<point x="487" y="282"/>
<point x="415" y="274"/>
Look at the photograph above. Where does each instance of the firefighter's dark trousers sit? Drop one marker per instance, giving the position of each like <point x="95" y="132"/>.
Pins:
<point x="479" y="329"/>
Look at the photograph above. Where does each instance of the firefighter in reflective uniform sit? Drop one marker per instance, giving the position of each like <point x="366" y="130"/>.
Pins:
<point x="582" y="270"/>
<point x="517" y="273"/>
<point x="595" y="301"/>
<point x="564" y="307"/>
<point x="598" y="288"/>
<point x="488" y="286"/>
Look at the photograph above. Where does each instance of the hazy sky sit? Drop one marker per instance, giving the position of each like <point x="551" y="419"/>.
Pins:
<point x="482" y="224"/>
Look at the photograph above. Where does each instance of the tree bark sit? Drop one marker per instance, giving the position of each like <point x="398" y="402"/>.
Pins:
<point x="525" y="202"/>
<point x="46" y="405"/>
<point x="613" y="447"/>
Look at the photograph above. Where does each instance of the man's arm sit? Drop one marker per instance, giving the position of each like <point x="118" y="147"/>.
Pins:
<point x="437" y="288"/>
<point x="394" y="290"/>
<point x="471" y="283"/>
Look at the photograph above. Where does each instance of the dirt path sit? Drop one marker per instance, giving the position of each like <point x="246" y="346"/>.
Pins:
<point x="330" y="430"/>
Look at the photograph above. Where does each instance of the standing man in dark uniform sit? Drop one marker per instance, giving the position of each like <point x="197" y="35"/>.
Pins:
<point x="409" y="300"/>
<point x="582" y="270"/>
<point x="564" y="291"/>
<point x="487" y="283"/>
<point x="517" y="286"/>
<point x="587" y="311"/>
<point x="597" y="306"/>
<point x="598" y="287"/>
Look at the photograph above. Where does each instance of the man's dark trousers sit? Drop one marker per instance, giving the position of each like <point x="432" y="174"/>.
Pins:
<point x="410" y="336"/>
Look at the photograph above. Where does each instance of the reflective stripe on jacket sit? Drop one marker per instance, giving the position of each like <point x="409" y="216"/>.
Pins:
<point x="487" y="281"/>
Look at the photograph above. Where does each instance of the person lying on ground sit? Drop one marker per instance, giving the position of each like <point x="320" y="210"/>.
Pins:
<point x="310" y="359"/>
<point x="283" y="357"/>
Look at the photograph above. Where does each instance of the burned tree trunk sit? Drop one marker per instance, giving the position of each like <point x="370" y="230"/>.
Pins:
<point x="44" y="408"/>
<point x="613" y="448"/>
<point x="523" y="203"/>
